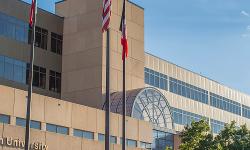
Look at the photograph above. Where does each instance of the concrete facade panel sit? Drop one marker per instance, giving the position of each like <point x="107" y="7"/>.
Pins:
<point x="7" y="100"/>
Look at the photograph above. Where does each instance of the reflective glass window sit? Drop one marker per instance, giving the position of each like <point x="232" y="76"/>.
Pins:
<point x="101" y="137"/>
<point x="4" y="119"/>
<point x="9" y="68"/>
<point x="41" y="37"/>
<point x="56" y="43"/>
<point x="131" y="143"/>
<point x="62" y="130"/>
<point x="33" y="124"/>
<point x="20" y="122"/>
<point x="225" y="104"/>
<point x="51" y="128"/>
<point x="113" y="139"/>
<point x="1" y="66"/>
<point x="39" y="76"/>
<point x="54" y="81"/>
<point x="88" y="135"/>
<point x="13" y="28"/>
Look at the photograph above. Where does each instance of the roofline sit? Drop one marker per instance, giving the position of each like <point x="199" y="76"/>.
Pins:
<point x="41" y="9"/>
<point x="136" y="4"/>
<point x="197" y="74"/>
<point x="59" y="1"/>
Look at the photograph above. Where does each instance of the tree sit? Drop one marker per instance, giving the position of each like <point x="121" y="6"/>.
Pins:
<point x="197" y="136"/>
<point x="233" y="138"/>
<point x="168" y="148"/>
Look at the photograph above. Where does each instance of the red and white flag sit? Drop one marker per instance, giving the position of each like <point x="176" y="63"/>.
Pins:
<point x="32" y="13"/>
<point x="123" y="29"/>
<point x="106" y="14"/>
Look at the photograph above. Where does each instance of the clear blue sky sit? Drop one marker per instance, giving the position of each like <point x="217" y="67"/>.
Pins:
<point x="211" y="37"/>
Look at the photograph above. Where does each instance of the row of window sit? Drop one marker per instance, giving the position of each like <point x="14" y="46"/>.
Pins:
<point x="188" y="90"/>
<point x="13" y="28"/>
<point x="65" y="130"/>
<point x="185" y="118"/>
<point x="18" y="71"/>
<point x="225" y="104"/>
<point x="156" y="79"/>
<point x="246" y="111"/>
<point x="162" y="140"/>
<point x="19" y="30"/>
<point x="192" y="92"/>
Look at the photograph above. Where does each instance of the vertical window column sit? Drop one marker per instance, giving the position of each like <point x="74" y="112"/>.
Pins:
<point x="56" y="43"/>
<point x="55" y="81"/>
<point x="41" y="37"/>
<point x="39" y="78"/>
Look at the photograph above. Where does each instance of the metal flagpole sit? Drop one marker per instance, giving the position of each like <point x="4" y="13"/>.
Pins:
<point x="107" y="114"/>
<point x="124" y="104"/>
<point x="124" y="88"/>
<point x="27" y="129"/>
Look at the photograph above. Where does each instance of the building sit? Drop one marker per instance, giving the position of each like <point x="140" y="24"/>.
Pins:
<point x="69" y="82"/>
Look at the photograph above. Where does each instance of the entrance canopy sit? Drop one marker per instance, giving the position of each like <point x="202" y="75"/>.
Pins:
<point x="147" y="104"/>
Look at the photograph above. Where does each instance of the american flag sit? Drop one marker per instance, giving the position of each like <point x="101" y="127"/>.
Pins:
<point x="106" y="14"/>
<point x="32" y="12"/>
<point x="123" y="29"/>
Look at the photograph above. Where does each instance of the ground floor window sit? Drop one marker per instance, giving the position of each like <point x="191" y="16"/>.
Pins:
<point x="162" y="139"/>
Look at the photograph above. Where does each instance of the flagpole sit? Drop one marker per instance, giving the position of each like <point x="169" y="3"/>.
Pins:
<point x="124" y="104"/>
<point x="124" y="87"/>
<point x="27" y="129"/>
<point x="107" y="113"/>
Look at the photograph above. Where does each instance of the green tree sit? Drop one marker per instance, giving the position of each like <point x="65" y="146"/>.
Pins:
<point x="197" y="137"/>
<point x="234" y="138"/>
<point x="168" y="148"/>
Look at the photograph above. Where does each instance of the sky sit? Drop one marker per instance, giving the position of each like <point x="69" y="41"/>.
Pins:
<point x="209" y="37"/>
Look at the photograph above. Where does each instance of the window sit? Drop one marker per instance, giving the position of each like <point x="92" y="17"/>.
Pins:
<point x="12" y="69"/>
<point x="113" y="139"/>
<point x="187" y="90"/>
<point x="216" y="126"/>
<point x="41" y="37"/>
<point x="13" y="28"/>
<point x="156" y="79"/>
<point x="246" y="111"/>
<point x="131" y="143"/>
<point x="162" y="139"/>
<point x="39" y="76"/>
<point x="145" y="145"/>
<point x="56" y="43"/>
<point x="57" y="129"/>
<point x="101" y="137"/>
<point x="185" y="118"/>
<point x="55" y="81"/>
<point x="83" y="134"/>
<point x="4" y="119"/>
<point x="33" y="124"/>
<point x="225" y="104"/>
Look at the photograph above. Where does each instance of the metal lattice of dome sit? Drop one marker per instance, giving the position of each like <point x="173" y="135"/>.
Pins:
<point x="147" y="104"/>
